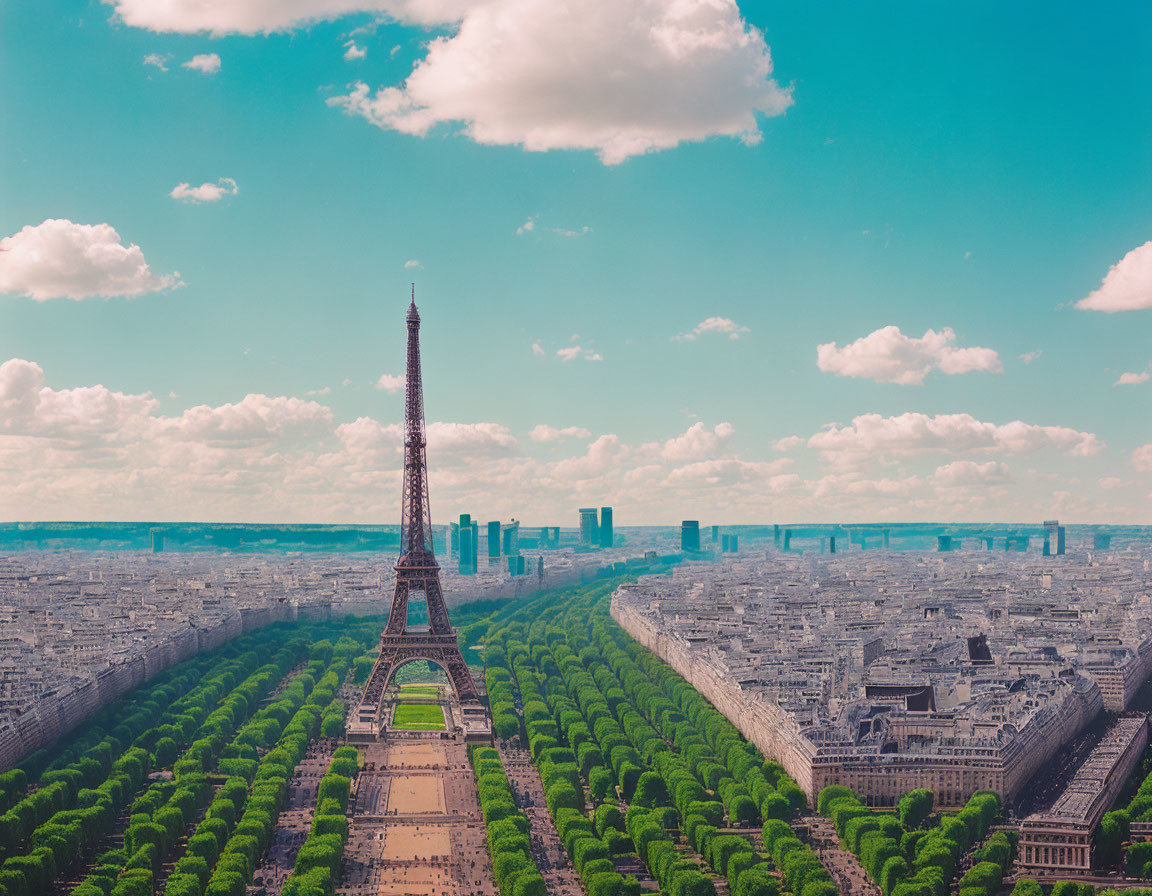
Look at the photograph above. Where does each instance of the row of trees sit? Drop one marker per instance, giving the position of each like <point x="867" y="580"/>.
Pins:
<point x="317" y="868"/>
<point x="872" y="837"/>
<point x="103" y="737"/>
<point x="252" y="835"/>
<point x="990" y="865"/>
<point x="222" y="861"/>
<point x="166" y="809"/>
<point x="597" y="705"/>
<point x="590" y="848"/>
<point x="81" y="816"/>
<point x="59" y="787"/>
<point x="934" y="855"/>
<point x="1113" y="830"/>
<point x="711" y="759"/>
<point x="507" y="827"/>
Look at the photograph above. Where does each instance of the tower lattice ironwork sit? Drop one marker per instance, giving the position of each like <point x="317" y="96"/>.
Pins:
<point x="416" y="569"/>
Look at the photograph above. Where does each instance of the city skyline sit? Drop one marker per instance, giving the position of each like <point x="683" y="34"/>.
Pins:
<point x="901" y="277"/>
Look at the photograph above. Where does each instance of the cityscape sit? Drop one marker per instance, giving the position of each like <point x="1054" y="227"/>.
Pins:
<point x="485" y="448"/>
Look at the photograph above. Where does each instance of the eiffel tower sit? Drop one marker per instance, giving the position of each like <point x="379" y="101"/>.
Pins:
<point x="417" y="571"/>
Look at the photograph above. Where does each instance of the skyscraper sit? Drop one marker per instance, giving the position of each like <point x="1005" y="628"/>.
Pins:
<point x="493" y="539"/>
<point x="588" y="526"/>
<point x="606" y="535"/>
<point x="512" y="538"/>
<point x="690" y="535"/>
<point x="466" y="568"/>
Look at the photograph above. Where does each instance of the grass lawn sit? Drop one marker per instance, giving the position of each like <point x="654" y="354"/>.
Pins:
<point x="418" y="717"/>
<point x="420" y="690"/>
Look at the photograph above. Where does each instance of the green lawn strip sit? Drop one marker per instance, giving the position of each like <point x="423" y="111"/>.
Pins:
<point x="317" y="869"/>
<point x="418" y="717"/>
<point x="509" y="845"/>
<point x="419" y="690"/>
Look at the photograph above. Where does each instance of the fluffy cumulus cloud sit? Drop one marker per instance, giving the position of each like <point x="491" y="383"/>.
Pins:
<point x="206" y="192"/>
<point x="888" y="356"/>
<point x="62" y="259"/>
<point x="206" y="63"/>
<point x="1126" y="287"/>
<point x="619" y="77"/>
<point x="969" y="473"/>
<point x="722" y="326"/>
<point x="390" y="383"/>
<point x="1133" y="379"/>
<point x="872" y="437"/>
<point x="94" y="451"/>
<point x="544" y="433"/>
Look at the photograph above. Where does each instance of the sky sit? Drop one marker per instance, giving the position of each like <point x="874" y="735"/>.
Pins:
<point x="742" y="263"/>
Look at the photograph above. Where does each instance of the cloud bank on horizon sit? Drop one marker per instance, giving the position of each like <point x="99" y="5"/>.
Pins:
<point x="93" y="452"/>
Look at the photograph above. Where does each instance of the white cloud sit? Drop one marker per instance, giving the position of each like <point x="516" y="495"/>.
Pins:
<point x="470" y="439"/>
<point x="61" y="259"/>
<point x="262" y="16"/>
<point x="206" y="192"/>
<point x="412" y="263"/>
<point x="316" y="392"/>
<point x="577" y="352"/>
<point x="1110" y="482"/>
<point x="29" y="408"/>
<point x="969" y="474"/>
<point x="721" y="325"/>
<point x="160" y="60"/>
<point x="98" y="453"/>
<point x="620" y="77"/>
<point x="888" y="356"/>
<point x="1142" y="458"/>
<point x="390" y="383"/>
<point x="544" y="433"/>
<point x="788" y="443"/>
<point x="872" y="436"/>
<point x="1029" y="357"/>
<point x="527" y="227"/>
<point x="354" y="52"/>
<point x="256" y="418"/>
<point x="1133" y="379"/>
<point x="1126" y="287"/>
<point x="698" y="442"/>
<point x="206" y="63"/>
<point x="537" y="350"/>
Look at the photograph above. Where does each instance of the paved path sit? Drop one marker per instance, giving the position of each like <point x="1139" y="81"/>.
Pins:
<point x="844" y="867"/>
<point x="560" y="877"/>
<point x="416" y="826"/>
<point x="295" y="818"/>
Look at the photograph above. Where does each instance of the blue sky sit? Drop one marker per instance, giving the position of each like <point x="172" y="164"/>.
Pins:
<point x="979" y="168"/>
